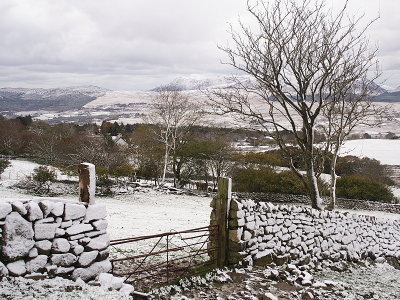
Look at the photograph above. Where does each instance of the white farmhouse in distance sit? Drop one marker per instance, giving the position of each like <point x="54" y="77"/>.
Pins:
<point x="120" y="141"/>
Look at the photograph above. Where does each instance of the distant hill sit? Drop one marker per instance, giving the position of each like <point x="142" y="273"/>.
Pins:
<point x="388" y="97"/>
<point x="91" y="103"/>
<point x="196" y="82"/>
<point x="57" y="99"/>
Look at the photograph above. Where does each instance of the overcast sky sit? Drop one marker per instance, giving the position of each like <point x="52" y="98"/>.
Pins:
<point x="139" y="44"/>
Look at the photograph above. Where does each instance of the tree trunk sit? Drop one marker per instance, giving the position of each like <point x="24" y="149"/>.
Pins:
<point x="165" y="164"/>
<point x="332" y="187"/>
<point x="206" y="175"/>
<point x="316" y="200"/>
<point x="176" y="169"/>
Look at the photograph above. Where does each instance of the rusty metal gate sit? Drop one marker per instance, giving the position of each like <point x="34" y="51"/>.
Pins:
<point x="152" y="261"/>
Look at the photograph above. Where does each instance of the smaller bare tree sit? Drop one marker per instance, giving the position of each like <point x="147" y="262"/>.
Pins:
<point x="349" y="107"/>
<point x="173" y="115"/>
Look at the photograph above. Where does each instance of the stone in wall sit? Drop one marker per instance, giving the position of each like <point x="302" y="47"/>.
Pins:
<point x="17" y="237"/>
<point x="74" y="211"/>
<point x="19" y="207"/>
<point x="61" y="245"/>
<point x="36" y="264"/>
<point x="63" y="260"/>
<point x="43" y="247"/>
<point x="91" y="272"/>
<point x="45" y="231"/>
<point x="34" y="211"/>
<point x="17" y="268"/>
<point x="3" y="270"/>
<point x="99" y="243"/>
<point x="86" y="258"/>
<point x="5" y="209"/>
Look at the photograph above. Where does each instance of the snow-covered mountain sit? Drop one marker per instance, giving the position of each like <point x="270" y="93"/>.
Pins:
<point x="93" y="104"/>
<point x="88" y="90"/>
<point x="56" y="99"/>
<point x="199" y="82"/>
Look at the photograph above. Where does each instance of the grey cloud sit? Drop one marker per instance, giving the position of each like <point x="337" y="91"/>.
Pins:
<point x="132" y="44"/>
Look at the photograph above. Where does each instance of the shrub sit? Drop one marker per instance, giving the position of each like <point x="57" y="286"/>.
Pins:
<point x="43" y="176"/>
<point x="265" y="180"/>
<point x="123" y="170"/>
<point x="365" y="167"/>
<point x="358" y="187"/>
<point x="104" y="184"/>
<point x="270" y="158"/>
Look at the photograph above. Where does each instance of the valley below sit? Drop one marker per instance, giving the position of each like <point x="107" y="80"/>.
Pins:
<point x="90" y="104"/>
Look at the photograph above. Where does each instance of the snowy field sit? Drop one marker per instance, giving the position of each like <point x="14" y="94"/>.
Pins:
<point x="21" y="169"/>
<point x="152" y="213"/>
<point x="386" y="151"/>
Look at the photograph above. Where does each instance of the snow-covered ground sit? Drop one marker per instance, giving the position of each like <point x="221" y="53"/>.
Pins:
<point x="386" y="151"/>
<point x="18" y="288"/>
<point x="153" y="213"/>
<point x="377" y="281"/>
<point x="142" y="213"/>
<point x="20" y="169"/>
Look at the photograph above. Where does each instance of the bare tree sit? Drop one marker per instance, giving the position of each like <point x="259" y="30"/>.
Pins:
<point x="299" y="57"/>
<point x="348" y="108"/>
<point x="173" y="116"/>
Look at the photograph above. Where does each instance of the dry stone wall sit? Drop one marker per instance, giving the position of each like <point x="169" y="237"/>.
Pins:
<point x="53" y="238"/>
<point x="340" y="202"/>
<point x="263" y="233"/>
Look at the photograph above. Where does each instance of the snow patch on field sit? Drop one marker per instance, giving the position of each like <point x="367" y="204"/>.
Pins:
<point x="121" y="97"/>
<point x="18" y="170"/>
<point x="386" y="151"/>
<point x="21" y="169"/>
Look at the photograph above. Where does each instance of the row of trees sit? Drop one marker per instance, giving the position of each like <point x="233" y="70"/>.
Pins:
<point x="181" y="152"/>
<point x="62" y="144"/>
<point x="201" y="155"/>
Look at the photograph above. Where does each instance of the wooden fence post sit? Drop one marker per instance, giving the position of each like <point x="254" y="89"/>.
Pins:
<point x="87" y="183"/>
<point x="222" y="205"/>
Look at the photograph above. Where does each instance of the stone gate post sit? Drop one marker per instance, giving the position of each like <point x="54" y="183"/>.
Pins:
<point x="87" y="183"/>
<point x="221" y="211"/>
